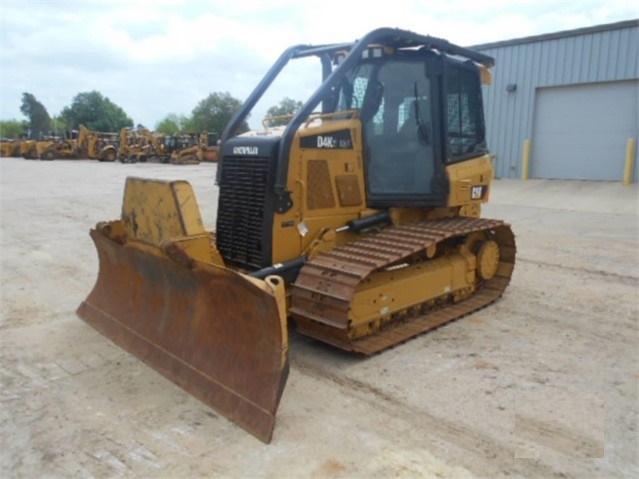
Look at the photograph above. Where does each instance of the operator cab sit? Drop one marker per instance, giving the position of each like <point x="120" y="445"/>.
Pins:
<point x="401" y="97"/>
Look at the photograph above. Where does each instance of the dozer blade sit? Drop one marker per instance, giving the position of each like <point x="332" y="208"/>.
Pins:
<point x="216" y="333"/>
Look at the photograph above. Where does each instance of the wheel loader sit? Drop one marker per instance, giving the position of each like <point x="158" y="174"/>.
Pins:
<point x="29" y="149"/>
<point x="10" y="148"/>
<point x="359" y="222"/>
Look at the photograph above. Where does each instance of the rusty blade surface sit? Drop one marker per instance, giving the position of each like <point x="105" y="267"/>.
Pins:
<point x="208" y="329"/>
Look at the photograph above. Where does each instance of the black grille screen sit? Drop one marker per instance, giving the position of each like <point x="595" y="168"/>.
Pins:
<point x="240" y="217"/>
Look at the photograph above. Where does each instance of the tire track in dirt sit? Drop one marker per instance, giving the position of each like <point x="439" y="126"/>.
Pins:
<point x="502" y="455"/>
<point x="615" y="277"/>
<point x="559" y="438"/>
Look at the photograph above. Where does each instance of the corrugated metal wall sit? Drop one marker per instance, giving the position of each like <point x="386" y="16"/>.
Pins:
<point x="589" y="55"/>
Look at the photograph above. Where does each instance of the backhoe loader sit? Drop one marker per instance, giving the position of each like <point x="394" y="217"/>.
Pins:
<point x="142" y="146"/>
<point x="359" y="222"/>
<point x="102" y="146"/>
<point x="72" y="146"/>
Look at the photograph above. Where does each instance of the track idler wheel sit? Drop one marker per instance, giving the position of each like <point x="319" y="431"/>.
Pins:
<point x="487" y="259"/>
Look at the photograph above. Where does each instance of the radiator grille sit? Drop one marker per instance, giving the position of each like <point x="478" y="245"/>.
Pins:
<point x="240" y="218"/>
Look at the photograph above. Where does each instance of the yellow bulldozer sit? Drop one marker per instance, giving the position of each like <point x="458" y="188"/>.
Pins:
<point x="360" y="223"/>
<point x="193" y="149"/>
<point x="209" y="146"/>
<point x="183" y="149"/>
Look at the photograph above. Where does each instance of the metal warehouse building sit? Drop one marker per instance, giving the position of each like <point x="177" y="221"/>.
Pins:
<point x="565" y="105"/>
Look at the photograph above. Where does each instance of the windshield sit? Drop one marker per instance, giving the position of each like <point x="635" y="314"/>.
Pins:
<point x="393" y="99"/>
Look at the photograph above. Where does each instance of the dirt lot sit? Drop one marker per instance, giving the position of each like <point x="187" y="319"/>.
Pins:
<point x="542" y="384"/>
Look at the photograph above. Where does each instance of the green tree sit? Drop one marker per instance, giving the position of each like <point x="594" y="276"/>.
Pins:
<point x="214" y="112"/>
<point x="172" y="124"/>
<point x="59" y="124"/>
<point x="39" y="119"/>
<point x="13" y="128"/>
<point x="96" y="112"/>
<point x="287" y="106"/>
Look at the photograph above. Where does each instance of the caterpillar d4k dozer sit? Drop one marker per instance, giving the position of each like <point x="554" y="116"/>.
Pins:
<point x="359" y="221"/>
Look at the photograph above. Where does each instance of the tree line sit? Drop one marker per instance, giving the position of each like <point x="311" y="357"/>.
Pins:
<point x="98" y="113"/>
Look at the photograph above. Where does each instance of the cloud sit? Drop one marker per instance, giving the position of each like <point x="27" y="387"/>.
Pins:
<point x="156" y="58"/>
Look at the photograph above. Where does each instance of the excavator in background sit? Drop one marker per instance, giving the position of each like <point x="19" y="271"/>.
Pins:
<point x="360" y="222"/>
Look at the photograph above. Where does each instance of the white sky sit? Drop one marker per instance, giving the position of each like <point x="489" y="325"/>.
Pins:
<point x="159" y="57"/>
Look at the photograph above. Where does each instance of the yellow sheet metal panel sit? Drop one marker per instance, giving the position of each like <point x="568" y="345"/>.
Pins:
<point x="155" y="211"/>
<point x="390" y="291"/>
<point x="326" y="184"/>
<point x="469" y="181"/>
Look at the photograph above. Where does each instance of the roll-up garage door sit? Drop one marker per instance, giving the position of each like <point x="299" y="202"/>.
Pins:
<point x="581" y="131"/>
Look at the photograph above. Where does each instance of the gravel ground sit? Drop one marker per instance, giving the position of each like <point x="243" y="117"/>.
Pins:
<point x="544" y="383"/>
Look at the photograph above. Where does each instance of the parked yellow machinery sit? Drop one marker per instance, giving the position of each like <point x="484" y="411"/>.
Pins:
<point x="183" y="149"/>
<point x="193" y="149"/>
<point x="73" y="146"/>
<point x="29" y="150"/>
<point x="51" y="144"/>
<point x="141" y="145"/>
<point x="209" y="146"/>
<point x="102" y="146"/>
<point x="131" y="146"/>
<point x="360" y="223"/>
<point x="10" y="147"/>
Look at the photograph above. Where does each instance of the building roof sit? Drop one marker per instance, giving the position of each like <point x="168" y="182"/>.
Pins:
<point x="556" y="35"/>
